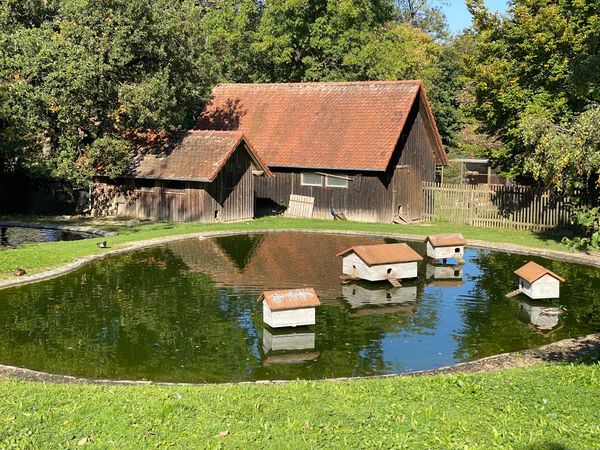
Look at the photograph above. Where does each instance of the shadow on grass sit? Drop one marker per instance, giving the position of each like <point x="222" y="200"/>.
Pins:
<point x="547" y="446"/>
<point x="585" y="350"/>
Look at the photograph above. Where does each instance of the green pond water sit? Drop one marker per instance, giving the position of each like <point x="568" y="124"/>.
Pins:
<point x="187" y="312"/>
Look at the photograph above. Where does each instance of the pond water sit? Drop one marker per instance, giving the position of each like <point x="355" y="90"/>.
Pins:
<point x="187" y="312"/>
<point x="13" y="236"/>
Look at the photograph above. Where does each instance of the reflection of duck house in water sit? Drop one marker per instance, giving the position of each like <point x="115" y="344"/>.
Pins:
<point x="543" y="318"/>
<point x="286" y="347"/>
<point x="285" y="340"/>
<point x="537" y="282"/>
<point x="385" y="300"/>
<point x="444" y="276"/>
<point x="446" y="246"/>
<point x="289" y="308"/>
<point x="390" y="262"/>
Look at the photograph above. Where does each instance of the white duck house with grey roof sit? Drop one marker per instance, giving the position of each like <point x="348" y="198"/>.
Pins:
<point x="380" y="262"/>
<point x="289" y="308"/>
<point x="537" y="282"/>
<point x="446" y="246"/>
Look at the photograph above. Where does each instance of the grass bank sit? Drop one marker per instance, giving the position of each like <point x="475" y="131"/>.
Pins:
<point x="39" y="257"/>
<point x="544" y="407"/>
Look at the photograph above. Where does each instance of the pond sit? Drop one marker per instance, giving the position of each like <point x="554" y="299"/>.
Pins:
<point x="187" y="312"/>
<point x="13" y="236"/>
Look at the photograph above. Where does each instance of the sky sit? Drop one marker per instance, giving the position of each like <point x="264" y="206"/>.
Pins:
<point x="458" y="16"/>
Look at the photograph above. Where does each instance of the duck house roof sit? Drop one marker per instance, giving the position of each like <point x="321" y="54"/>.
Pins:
<point x="374" y="255"/>
<point x="531" y="272"/>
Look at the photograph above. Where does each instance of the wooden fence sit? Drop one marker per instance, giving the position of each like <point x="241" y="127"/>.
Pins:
<point x="516" y="207"/>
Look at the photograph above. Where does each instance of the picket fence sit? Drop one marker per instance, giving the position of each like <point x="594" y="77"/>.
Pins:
<point x="516" y="207"/>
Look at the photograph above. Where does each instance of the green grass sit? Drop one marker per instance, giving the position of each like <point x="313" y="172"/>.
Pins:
<point x="544" y="407"/>
<point x="38" y="257"/>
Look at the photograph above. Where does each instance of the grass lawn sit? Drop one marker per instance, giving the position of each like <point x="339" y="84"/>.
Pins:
<point x="38" y="257"/>
<point x="543" y="407"/>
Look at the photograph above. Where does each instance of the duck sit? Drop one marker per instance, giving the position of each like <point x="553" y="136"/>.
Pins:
<point x="19" y="272"/>
<point x="102" y="244"/>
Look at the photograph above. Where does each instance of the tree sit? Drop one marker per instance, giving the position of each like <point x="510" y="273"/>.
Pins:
<point x="536" y="67"/>
<point x="94" y="71"/>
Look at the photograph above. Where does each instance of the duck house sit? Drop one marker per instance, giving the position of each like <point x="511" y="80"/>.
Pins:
<point x="289" y="308"/>
<point x="445" y="246"/>
<point x="537" y="282"/>
<point x="381" y="262"/>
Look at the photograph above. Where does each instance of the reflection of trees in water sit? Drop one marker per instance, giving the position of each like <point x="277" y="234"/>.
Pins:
<point x="490" y="327"/>
<point x="145" y="315"/>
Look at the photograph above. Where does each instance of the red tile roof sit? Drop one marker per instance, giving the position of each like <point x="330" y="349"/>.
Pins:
<point x="198" y="157"/>
<point x="347" y="125"/>
<point x="531" y="272"/>
<point x="446" y="240"/>
<point x="384" y="253"/>
<point x="290" y="299"/>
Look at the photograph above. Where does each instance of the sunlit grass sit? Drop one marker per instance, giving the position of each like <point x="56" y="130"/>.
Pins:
<point x="547" y="407"/>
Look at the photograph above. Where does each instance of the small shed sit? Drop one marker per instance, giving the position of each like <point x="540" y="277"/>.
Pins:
<point x="289" y="308"/>
<point x="537" y="282"/>
<point x="390" y="262"/>
<point x="444" y="246"/>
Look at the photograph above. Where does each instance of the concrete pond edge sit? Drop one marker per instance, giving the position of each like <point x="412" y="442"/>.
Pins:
<point x="52" y="226"/>
<point x="522" y="358"/>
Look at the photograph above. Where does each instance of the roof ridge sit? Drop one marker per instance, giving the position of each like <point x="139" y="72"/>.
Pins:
<point x="327" y="83"/>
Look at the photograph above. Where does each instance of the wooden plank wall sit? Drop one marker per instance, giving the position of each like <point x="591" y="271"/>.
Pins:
<point x="416" y="165"/>
<point x="229" y="197"/>
<point x="515" y="207"/>
<point x="366" y="199"/>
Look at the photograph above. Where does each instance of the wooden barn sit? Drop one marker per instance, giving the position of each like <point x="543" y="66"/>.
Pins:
<point x="208" y="176"/>
<point x="357" y="149"/>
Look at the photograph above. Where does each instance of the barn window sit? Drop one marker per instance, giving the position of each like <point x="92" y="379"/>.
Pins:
<point x="336" y="181"/>
<point x="311" y="179"/>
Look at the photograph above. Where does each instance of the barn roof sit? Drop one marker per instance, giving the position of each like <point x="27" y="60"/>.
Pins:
<point x="446" y="240"/>
<point x="531" y="272"/>
<point x="199" y="156"/>
<point x="290" y="299"/>
<point x="344" y="126"/>
<point x="384" y="253"/>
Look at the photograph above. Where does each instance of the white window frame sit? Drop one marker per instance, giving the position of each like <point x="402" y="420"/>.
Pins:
<point x="303" y="183"/>
<point x="338" y="177"/>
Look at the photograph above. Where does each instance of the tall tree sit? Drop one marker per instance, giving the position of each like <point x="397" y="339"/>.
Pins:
<point x="83" y="77"/>
<point x="535" y="70"/>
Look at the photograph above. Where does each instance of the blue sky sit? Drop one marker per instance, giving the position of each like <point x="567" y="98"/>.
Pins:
<point x="458" y="16"/>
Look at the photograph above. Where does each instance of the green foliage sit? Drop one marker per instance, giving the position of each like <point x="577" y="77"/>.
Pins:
<point x="587" y="220"/>
<point x="534" y="70"/>
<point x="94" y="70"/>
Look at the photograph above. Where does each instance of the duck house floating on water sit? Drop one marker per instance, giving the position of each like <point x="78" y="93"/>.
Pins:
<point x="289" y="308"/>
<point x="390" y="262"/>
<point x="445" y="246"/>
<point x="537" y="282"/>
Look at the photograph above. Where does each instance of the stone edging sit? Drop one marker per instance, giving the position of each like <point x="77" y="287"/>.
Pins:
<point x="49" y="226"/>
<point x="578" y="258"/>
<point x="572" y="349"/>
